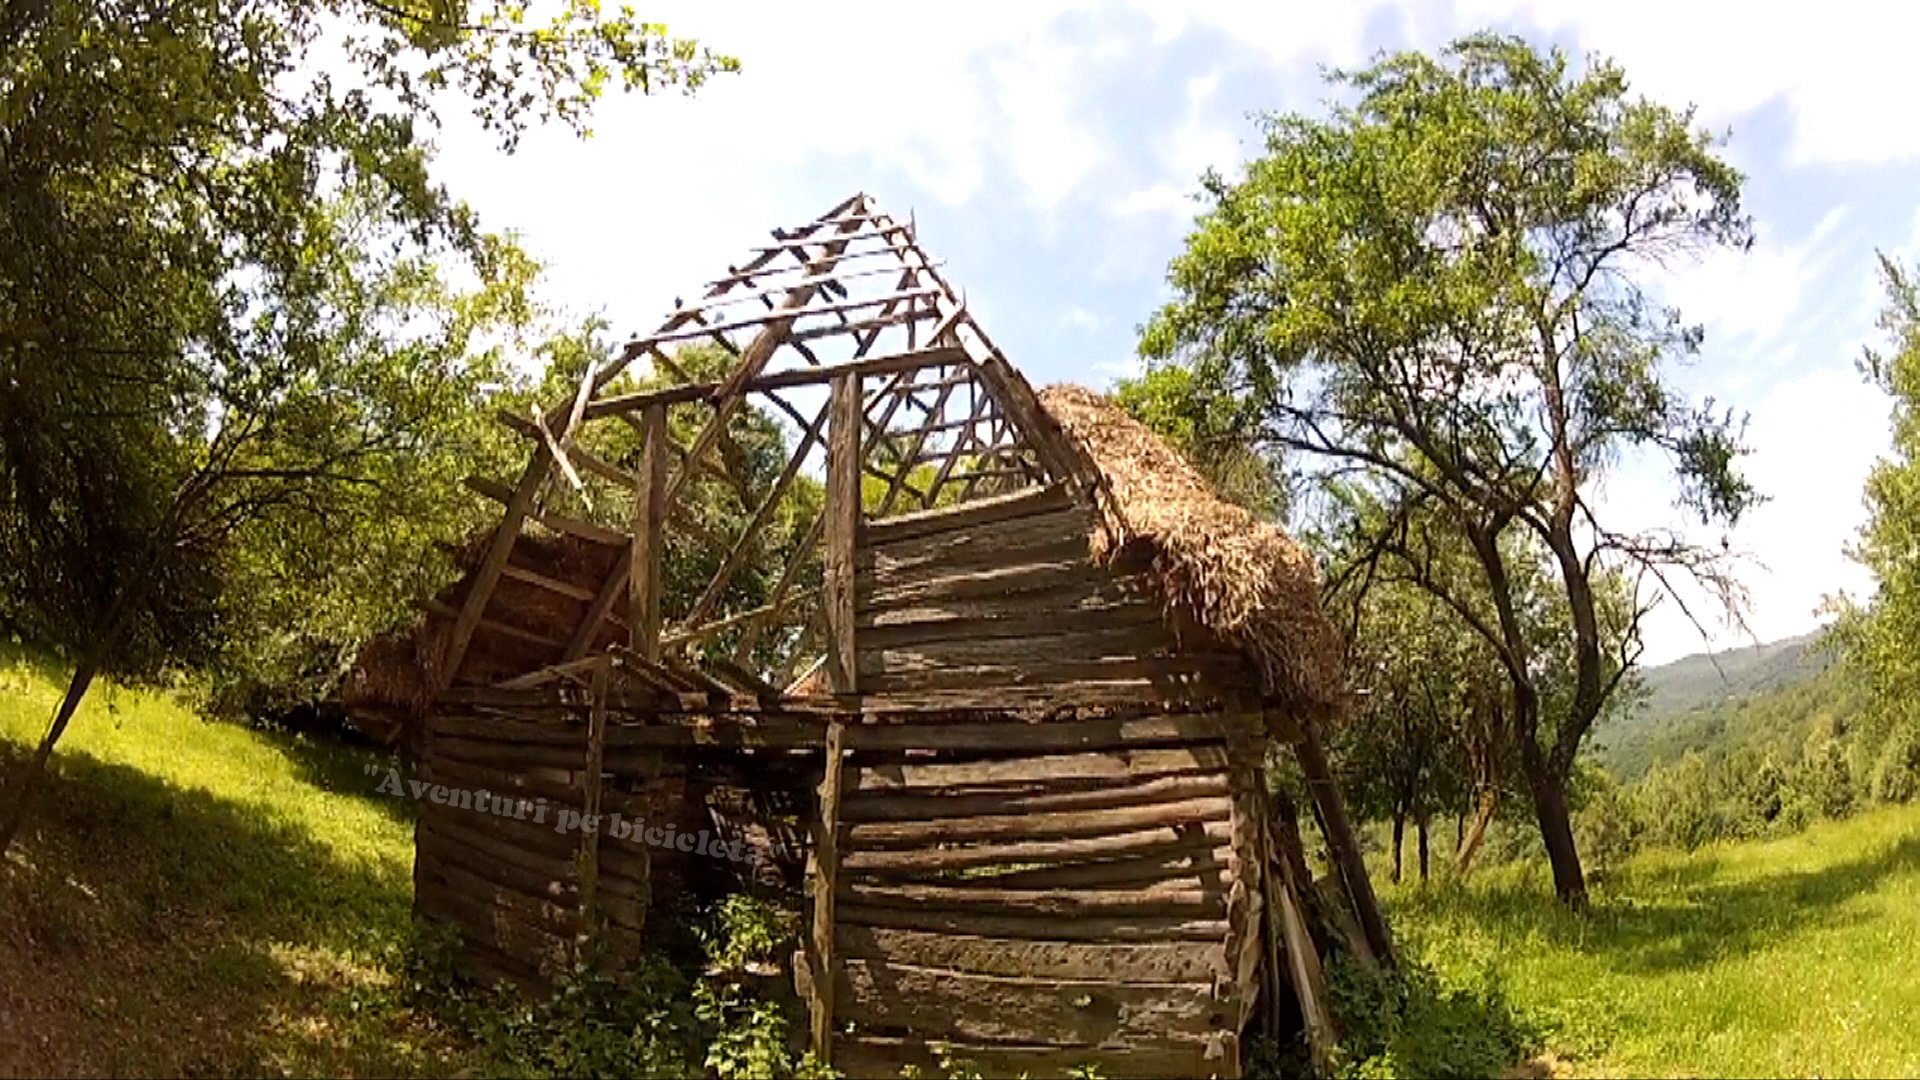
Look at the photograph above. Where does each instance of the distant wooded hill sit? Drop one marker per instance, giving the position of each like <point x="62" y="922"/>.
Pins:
<point x="1712" y="703"/>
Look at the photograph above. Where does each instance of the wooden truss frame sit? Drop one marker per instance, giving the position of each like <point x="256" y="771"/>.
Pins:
<point x="920" y="411"/>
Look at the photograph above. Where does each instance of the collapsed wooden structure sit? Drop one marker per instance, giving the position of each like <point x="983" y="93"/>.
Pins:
<point x="985" y="673"/>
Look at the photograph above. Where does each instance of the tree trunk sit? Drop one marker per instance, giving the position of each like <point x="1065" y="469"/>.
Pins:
<point x="27" y="781"/>
<point x="1421" y="827"/>
<point x="1399" y="831"/>
<point x="1470" y="844"/>
<point x="1341" y="840"/>
<point x="1549" y="791"/>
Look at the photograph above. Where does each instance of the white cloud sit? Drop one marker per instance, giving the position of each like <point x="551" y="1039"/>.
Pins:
<point x="1161" y="198"/>
<point x="1815" y="437"/>
<point x="1754" y="293"/>
<point x="1081" y="319"/>
<point x="1049" y="149"/>
<point x="1839" y="65"/>
<point x="1284" y="33"/>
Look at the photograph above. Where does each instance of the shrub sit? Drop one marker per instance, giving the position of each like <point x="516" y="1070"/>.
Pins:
<point x="1896" y="775"/>
<point x="1411" y="1023"/>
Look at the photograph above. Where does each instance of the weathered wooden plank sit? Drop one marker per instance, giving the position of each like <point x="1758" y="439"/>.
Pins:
<point x="1078" y="642"/>
<point x="534" y="909"/>
<point x="494" y="752"/>
<point x="1088" y="596"/>
<point x="780" y="735"/>
<point x="842" y="514"/>
<point x="1176" y="677"/>
<point x="645" y="574"/>
<point x="536" y="833"/>
<point x="1060" y="735"/>
<point x="507" y="731"/>
<point x="1024" y="852"/>
<point x="883" y="1057"/>
<point x="980" y="582"/>
<point x="1036" y="825"/>
<point x="823" y="880"/>
<point x="1174" y="898"/>
<point x="557" y="786"/>
<point x="1017" y="629"/>
<point x="1152" y="962"/>
<point x="874" y="806"/>
<point x="1108" y="766"/>
<point x="505" y="865"/>
<point x="530" y="949"/>
<point x="971" y="515"/>
<point x="1026" y="1010"/>
<point x="1082" y="693"/>
<point x="1045" y="526"/>
<point x="1207" y="866"/>
<point x="591" y="782"/>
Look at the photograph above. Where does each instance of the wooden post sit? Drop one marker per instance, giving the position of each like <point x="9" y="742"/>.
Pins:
<point x="1341" y="839"/>
<point x="1290" y="942"/>
<point x="844" y="446"/>
<point x="590" y="802"/>
<point x="822" y="879"/>
<point x="649" y="529"/>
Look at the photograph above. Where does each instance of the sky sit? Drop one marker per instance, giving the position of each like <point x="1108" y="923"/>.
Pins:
<point x="1049" y="152"/>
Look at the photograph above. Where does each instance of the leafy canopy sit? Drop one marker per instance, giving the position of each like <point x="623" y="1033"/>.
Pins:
<point x="245" y="336"/>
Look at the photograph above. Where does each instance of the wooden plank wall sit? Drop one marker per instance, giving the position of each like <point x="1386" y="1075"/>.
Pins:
<point x="1042" y="895"/>
<point x="997" y="602"/>
<point x="510" y="883"/>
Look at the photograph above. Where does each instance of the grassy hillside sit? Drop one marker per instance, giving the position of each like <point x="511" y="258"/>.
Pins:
<point x="199" y="899"/>
<point x="195" y="898"/>
<point x="1792" y="957"/>
<point x="1763" y="694"/>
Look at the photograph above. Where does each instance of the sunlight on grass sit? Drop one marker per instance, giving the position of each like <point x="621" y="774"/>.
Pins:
<point x="1789" y="957"/>
<point x="252" y="879"/>
<point x="152" y="731"/>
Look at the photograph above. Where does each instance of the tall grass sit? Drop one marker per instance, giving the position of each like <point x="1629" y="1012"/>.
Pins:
<point x="1791" y="957"/>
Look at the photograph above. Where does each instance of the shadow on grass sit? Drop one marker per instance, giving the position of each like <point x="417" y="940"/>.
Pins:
<point x="154" y="929"/>
<point x="335" y="765"/>
<point x="1681" y="917"/>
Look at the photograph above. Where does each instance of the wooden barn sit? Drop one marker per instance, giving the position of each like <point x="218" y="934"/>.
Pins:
<point x="987" y="675"/>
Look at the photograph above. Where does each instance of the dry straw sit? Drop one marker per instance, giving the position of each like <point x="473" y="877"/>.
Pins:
<point x="1243" y="580"/>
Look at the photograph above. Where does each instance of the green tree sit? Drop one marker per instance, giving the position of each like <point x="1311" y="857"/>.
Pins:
<point x="1433" y="293"/>
<point x="1876" y="642"/>
<point x="236" y="312"/>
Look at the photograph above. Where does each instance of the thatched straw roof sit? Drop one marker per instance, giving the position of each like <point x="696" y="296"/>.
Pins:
<point x="1244" y="580"/>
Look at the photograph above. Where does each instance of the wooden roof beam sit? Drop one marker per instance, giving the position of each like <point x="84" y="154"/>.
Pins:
<point x="780" y="380"/>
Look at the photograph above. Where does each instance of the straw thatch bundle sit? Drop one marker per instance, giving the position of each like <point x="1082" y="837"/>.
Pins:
<point x="1243" y="580"/>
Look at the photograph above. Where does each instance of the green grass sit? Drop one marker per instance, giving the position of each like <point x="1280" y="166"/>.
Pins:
<point x="197" y="898"/>
<point x="1791" y="957"/>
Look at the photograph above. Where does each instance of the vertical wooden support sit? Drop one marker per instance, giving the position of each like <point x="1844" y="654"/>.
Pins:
<point x="590" y="803"/>
<point x="649" y="528"/>
<point x="842" y="528"/>
<point x="1287" y="931"/>
<point x="1341" y="839"/>
<point x="1245" y="897"/>
<point x="822" y="878"/>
